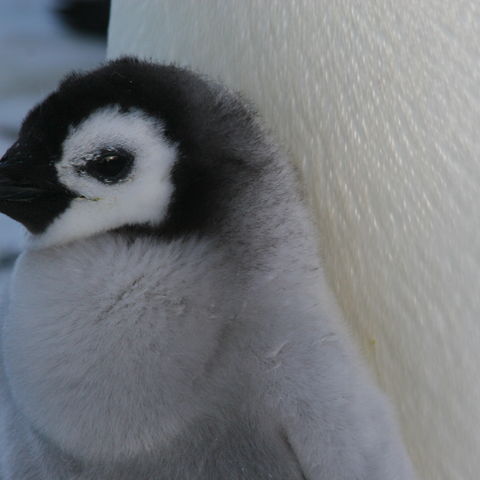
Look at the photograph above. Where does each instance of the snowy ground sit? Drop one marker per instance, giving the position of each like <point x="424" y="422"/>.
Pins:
<point x="35" y="52"/>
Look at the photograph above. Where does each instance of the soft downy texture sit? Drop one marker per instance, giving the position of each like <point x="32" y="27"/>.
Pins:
<point x="128" y="353"/>
<point x="218" y="320"/>
<point x="379" y="105"/>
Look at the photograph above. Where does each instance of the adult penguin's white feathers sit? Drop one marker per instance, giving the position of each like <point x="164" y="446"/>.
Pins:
<point x="184" y="330"/>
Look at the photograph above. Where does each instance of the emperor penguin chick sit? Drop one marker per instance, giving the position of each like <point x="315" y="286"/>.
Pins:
<point x="169" y="318"/>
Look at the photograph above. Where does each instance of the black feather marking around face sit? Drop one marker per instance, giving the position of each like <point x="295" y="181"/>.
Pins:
<point x="200" y="118"/>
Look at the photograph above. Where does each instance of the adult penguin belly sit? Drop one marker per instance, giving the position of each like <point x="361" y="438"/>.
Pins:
<point x="378" y="104"/>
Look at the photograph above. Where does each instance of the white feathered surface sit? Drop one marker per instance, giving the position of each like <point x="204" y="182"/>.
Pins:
<point x="379" y="104"/>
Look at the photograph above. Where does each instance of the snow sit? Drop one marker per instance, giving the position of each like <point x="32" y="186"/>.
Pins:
<point x="36" y="51"/>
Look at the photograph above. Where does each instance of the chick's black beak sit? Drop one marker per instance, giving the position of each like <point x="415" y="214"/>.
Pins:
<point x="30" y="194"/>
<point x="12" y="191"/>
<point x="17" y="181"/>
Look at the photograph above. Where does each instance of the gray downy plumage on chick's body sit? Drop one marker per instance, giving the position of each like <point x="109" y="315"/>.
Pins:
<point x="170" y="318"/>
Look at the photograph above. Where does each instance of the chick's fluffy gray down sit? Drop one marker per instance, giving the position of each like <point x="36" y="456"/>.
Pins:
<point x="214" y="354"/>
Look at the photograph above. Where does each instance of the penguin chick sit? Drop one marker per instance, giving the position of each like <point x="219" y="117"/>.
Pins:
<point x="169" y="318"/>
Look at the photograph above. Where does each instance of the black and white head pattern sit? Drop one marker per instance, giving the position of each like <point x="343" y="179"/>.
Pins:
<point x="118" y="165"/>
<point x="129" y="145"/>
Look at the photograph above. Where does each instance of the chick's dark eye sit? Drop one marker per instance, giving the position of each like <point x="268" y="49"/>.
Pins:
<point x="110" y="167"/>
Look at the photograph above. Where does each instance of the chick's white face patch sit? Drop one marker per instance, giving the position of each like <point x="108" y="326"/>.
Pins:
<point x="139" y="197"/>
